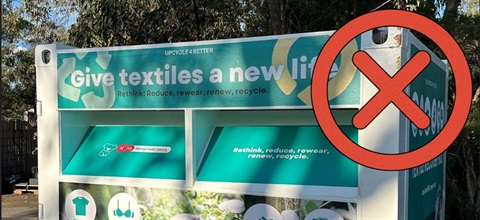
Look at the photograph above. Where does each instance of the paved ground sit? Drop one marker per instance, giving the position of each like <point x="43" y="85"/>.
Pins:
<point x="20" y="206"/>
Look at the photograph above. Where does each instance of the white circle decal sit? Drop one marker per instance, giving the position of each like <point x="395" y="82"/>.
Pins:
<point x="79" y="204"/>
<point x="262" y="212"/>
<point x="123" y="206"/>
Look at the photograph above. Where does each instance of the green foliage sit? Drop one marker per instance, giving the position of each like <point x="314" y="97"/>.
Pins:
<point x="463" y="180"/>
<point x="310" y="206"/>
<point x="463" y="165"/>
<point x="18" y="84"/>
<point x="15" y="91"/>
<point x="26" y="24"/>
<point x="465" y="30"/>
<point x="124" y="22"/>
<point x="130" y="22"/>
<point x="14" y="24"/>
<point x="168" y="204"/>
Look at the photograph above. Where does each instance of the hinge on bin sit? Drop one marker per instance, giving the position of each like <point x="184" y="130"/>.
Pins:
<point x="40" y="211"/>
<point x="39" y="108"/>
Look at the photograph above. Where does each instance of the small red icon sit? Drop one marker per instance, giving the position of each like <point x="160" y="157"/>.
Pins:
<point x="125" y="148"/>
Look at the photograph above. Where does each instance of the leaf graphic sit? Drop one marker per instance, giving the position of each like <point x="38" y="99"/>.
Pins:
<point x="310" y="206"/>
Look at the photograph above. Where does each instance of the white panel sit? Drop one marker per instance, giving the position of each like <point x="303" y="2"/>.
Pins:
<point x="378" y="190"/>
<point x="190" y="175"/>
<point x="394" y="39"/>
<point x="48" y="130"/>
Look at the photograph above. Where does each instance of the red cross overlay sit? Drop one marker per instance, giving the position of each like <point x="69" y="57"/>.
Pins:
<point x="391" y="89"/>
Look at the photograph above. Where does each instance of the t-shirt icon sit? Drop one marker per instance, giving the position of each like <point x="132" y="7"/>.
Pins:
<point x="80" y="206"/>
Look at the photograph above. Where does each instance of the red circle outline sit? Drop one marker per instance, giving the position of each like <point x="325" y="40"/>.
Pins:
<point x="393" y="18"/>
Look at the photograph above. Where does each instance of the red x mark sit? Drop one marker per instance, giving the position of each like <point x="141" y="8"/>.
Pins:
<point x="125" y="148"/>
<point x="391" y="89"/>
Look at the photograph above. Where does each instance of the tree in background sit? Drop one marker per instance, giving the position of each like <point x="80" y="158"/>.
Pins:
<point x="14" y="27"/>
<point x="463" y="164"/>
<point x="15" y="83"/>
<point x="26" y="24"/>
<point x="126" y="22"/>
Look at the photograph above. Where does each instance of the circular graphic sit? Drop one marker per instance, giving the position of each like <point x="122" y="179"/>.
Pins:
<point x="123" y="206"/>
<point x="289" y="214"/>
<point x="79" y="204"/>
<point x="186" y="217"/>
<point x="323" y="214"/>
<point x="395" y="18"/>
<point x="262" y="212"/>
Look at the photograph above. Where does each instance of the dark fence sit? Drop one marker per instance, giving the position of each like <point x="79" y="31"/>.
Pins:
<point x="19" y="155"/>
